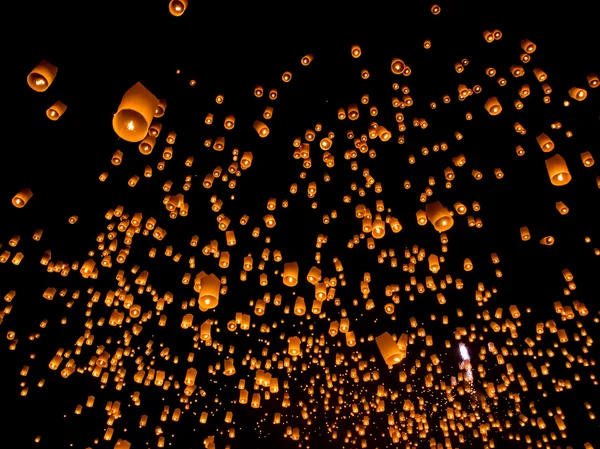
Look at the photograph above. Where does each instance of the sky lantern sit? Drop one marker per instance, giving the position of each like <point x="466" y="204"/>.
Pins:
<point x="42" y="76"/>
<point x="135" y="113"/>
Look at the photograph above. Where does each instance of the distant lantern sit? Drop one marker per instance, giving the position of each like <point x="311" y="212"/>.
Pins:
<point x="492" y="105"/>
<point x="135" y="113"/>
<point x="177" y="7"/>
<point x="290" y="274"/>
<point x="55" y="111"/>
<point x="356" y="51"/>
<point x="21" y="198"/>
<point x="439" y="216"/>
<point x="261" y="128"/>
<point x="558" y="170"/>
<point x="42" y="76"/>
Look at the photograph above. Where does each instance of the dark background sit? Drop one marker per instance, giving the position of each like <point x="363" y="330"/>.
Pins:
<point x="103" y="48"/>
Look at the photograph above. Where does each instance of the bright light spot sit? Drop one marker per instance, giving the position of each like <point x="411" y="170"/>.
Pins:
<point x="130" y="126"/>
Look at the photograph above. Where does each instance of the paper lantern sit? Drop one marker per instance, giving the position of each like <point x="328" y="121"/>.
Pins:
<point x="439" y="216"/>
<point x="587" y="159"/>
<point x="577" y="93"/>
<point x="42" y="76"/>
<point x="55" y="111"/>
<point x="177" y="7"/>
<point x="210" y="287"/>
<point x="261" y="129"/>
<point x="135" y="113"/>
<point x="290" y="274"/>
<point x="388" y="348"/>
<point x="558" y="170"/>
<point x="21" y="198"/>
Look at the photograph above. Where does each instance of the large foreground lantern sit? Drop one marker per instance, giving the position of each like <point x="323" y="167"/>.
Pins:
<point x="135" y="113"/>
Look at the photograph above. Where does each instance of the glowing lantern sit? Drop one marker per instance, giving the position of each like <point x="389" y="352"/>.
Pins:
<point x="55" y="111"/>
<point x="439" y="216"/>
<point x="577" y="93"/>
<point x="177" y="7"/>
<point x="135" y="113"/>
<point x="492" y="105"/>
<point x="290" y="274"/>
<point x="545" y="143"/>
<point x="587" y="159"/>
<point x="261" y="129"/>
<point x="294" y="346"/>
<point x="558" y="170"/>
<point x="21" y="198"/>
<point x="397" y="66"/>
<point x="42" y="76"/>
<point x="388" y="348"/>
<point x="210" y="287"/>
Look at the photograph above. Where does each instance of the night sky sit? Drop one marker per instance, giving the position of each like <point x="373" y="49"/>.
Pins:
<point x="499" y="354"/>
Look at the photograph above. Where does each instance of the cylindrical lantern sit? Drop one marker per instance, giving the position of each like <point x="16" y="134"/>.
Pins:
<point x="135" y="113"/>
<point x="42" y="76"/>
<point x="55" y="111"/>
<point x="439" y="216"/>
<point x="577" y="93"/>
<point x="558" y="170"/>
<point x="177" y="7"/>
<point x="21" y="198"/>
<point x="545" y="143"/>
<point x="261" y="128"/>
<point x="290" y="274"/>
<point x="147" y="145"/>
<point x="492" y="105"/>
<point x="210" y="287"/>
<point x="388" y="348"/>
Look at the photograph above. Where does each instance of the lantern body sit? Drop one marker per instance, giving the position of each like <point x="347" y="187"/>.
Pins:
<point x="290" y="274"/>
<point x="177" y="7"/>
<point x="135" y="113"/>
<point x="558" y="170"/>
<point x="388" y="348"/>
<point x="209" y="291"/>
<point x="55" y="111"/>
<point x="42" y="76"/>
<point x="21" y="198"/>
<point x="439" y="216"/>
